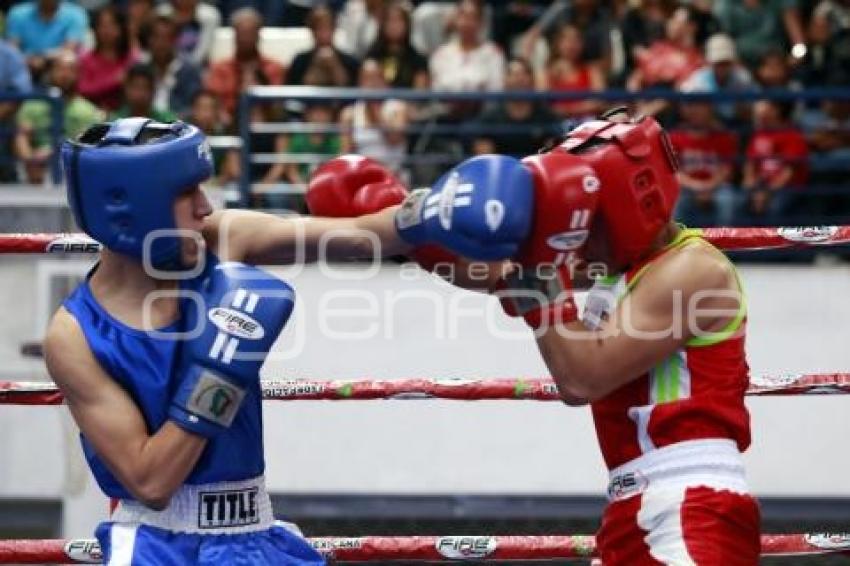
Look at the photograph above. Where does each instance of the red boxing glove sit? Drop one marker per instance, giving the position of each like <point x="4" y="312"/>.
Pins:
<point x="352" y="185"/>
<point x="565" y="194"/>
<point x="566" y="190"/>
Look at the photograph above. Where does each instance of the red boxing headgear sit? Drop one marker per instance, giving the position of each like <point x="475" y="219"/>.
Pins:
<point x="636" y="167"/>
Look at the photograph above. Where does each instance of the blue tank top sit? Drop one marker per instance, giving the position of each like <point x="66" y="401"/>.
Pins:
<point x="143" y="365"/>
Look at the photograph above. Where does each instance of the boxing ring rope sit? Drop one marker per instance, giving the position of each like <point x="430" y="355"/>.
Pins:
<point x="513" y="389"/>
<point x="730" y="239"/>
<point x="426" y="548"/>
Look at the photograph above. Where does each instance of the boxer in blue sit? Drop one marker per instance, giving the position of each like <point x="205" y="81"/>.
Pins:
<point x="158" y="351"/>
<point x="166" y="390"/>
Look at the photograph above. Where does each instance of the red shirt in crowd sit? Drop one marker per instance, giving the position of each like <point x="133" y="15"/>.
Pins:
<point x="102" y="79"/>
<point x="702" y="153"/>
<point x="666" y="63"/>
<point x="771" y="150"/>
<point x="580" y="81"/>
<point x="227" y="78"/>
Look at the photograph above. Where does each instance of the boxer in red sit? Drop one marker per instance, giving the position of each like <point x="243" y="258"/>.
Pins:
<point x="658" y="353"/>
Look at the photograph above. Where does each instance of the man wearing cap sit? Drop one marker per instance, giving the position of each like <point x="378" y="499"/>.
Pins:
<point x="723" y="73"/>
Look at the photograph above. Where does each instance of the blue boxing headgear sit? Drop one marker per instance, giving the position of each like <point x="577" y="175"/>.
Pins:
<point x="123" y="178"/>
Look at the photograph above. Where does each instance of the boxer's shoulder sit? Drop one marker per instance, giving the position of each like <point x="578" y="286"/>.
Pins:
<point x="686" y="270"/>
<point x="67" y="354"/>
<point x="62" y="330"/>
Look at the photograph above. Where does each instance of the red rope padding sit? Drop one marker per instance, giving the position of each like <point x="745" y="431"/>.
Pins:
<point x="738" y="239"/>
<point x="431" y="548"/>
<point x="47" y="243"/>
<point x="43" y="393"/>
<point x="742" y="239"/>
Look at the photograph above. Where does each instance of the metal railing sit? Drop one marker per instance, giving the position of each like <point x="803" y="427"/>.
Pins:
<point x="434" y="127"/>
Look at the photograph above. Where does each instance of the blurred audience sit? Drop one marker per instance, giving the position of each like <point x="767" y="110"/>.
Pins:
<point x="590" y="16"/>
<point x="196" y="23"/>
<point x="513" y="18"/>
<point x="644" y="23"/>
<point x="723" y="73"/>
<point x="247" y="68"/>
<point x="828" y="128"/>
<point x="828" y="59"/>
<point x="707" y="47"/>
<point x="139" y="88"/>
<point x="205" y="112"/>
<point x="317" y="139"/>
<point x="776" y="162"/>
<point x="358" y="25"/>
<point x="466" y="62"/>
<point x="376" y="128"/>
<point x="140" y="15"/>
<point x="102" y="69"/>
<point x="324" y="64"/>
<point x="707" y="152"/>
<point x="760" y="25"/>
<point x="567" y="71"/>
<point x="515" y="127"/>
<point x="39" y="27"/>
<point x="177" y="77"/>
<point x="296" y="13"/>
<point x="669" y="61"/>
<point x="401" y="64"/>
<point x="706" y="22"/>
<point x="266" y="173"/>
<point x="14" y="78"/>
<point x="14" y="73"/>
<point x="773" y="71"/>
<point x="33" y="142"/>
<point x="433" y="24"/>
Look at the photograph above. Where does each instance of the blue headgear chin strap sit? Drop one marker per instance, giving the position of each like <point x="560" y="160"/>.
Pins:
<point x="122" y="180"/>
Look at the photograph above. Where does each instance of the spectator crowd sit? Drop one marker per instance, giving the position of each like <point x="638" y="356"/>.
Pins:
<point x="749" y="160"/>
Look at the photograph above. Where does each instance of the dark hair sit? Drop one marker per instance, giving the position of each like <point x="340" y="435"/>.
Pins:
<point x="141" y="71"/>
<point x="773" y="52"/>
<point x="121" y="21"/>
<point x="556" y="35"/>
<point x="784" y="107"/>
<point x="203" y="93"/>
<point x="159" y="20"/>
<point x="320" y="11"/>
<point x="380" y="48"/>
<point x="394" y="6"/>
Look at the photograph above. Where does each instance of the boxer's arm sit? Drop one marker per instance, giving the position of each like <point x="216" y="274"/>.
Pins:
<point x="151" y="467"/>
<point x="259" y="238"/>
<point x="480" y="276"/>
<point x="692" y="291"/>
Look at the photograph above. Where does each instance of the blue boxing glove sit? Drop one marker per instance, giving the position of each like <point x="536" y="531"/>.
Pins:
<point x="482" y="209"/>
<point x="238" y="314"/>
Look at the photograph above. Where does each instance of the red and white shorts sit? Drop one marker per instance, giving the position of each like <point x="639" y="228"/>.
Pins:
<point x="685" y="504"/>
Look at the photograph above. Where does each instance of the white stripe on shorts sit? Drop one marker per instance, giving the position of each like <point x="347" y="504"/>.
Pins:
<point x="660" y="516"/>
<point x="122" y="541"/>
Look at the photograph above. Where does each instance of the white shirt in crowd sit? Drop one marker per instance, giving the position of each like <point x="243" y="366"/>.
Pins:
<point x="357" y="30"/>
<point x="480" y="69"/>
